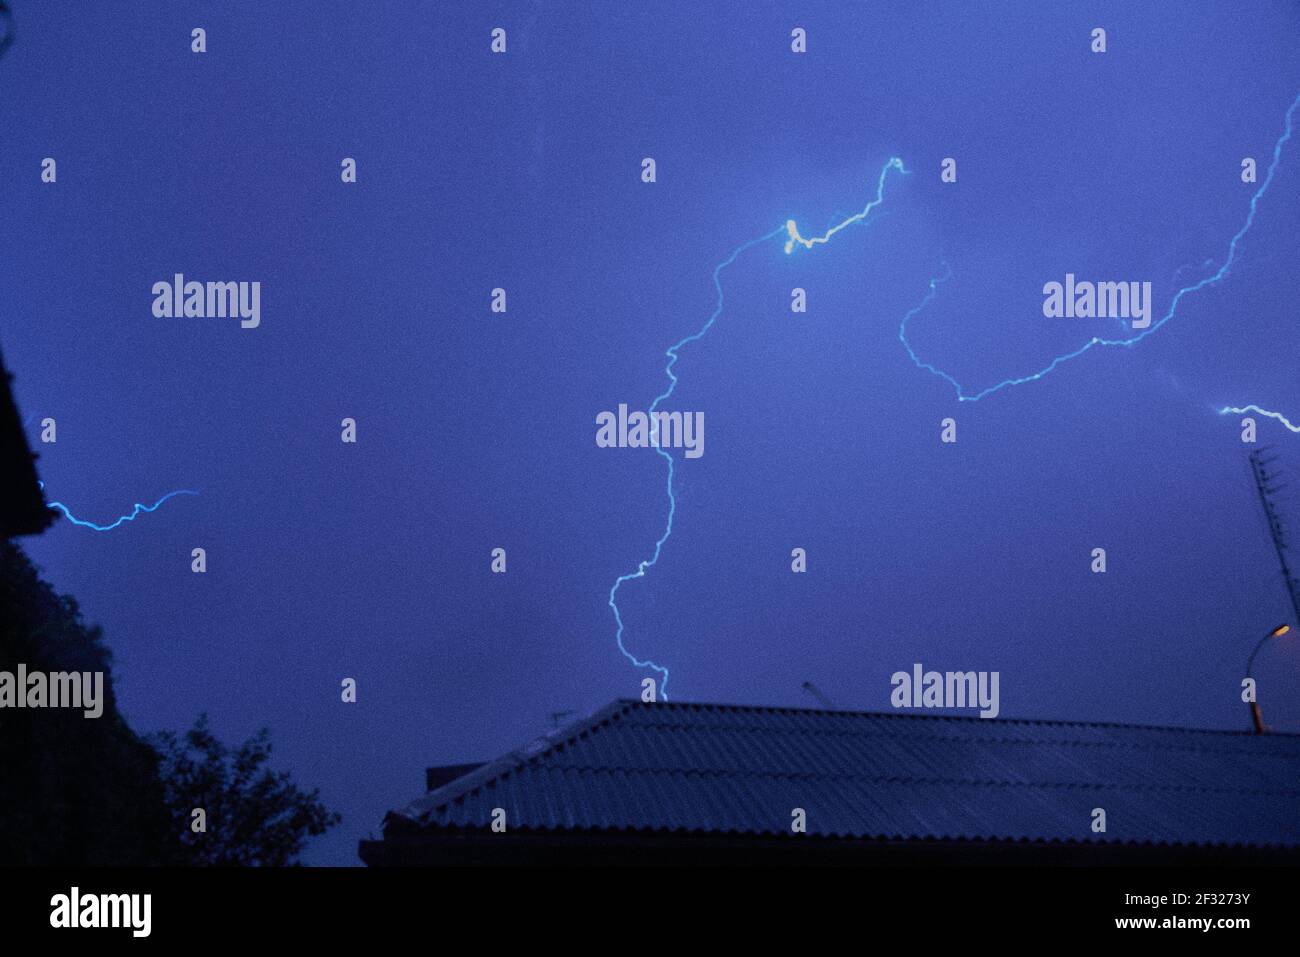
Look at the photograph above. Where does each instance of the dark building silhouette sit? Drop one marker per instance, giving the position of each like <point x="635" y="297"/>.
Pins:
<point x="22" y="506"/>
<point x="714" y="784"/>
<point x="73" y="791"/>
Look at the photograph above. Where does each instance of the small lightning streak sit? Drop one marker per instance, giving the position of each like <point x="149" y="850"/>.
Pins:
<point x="125" y="518"/>
<point x="792" y="232"/>
<point x="1234" y="410"/>
<point x="902" y="328"/>
<point x="1130" y="341"/>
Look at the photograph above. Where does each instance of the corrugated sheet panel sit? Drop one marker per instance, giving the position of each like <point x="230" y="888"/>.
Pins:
<point x="730" y="769"/>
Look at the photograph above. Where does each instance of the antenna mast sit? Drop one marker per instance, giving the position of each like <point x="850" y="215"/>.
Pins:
<point x="816" y="692"/>
<point x="1265" y="479"/>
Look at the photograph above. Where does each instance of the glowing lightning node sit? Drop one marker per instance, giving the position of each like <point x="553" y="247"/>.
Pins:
<point x="1243" y="410"/>
<point x="59" y="506"/>
<point x="792" y="232"/>
<point x="793" y="238"/>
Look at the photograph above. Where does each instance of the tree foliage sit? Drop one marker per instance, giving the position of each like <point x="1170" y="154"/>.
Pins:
<point x="77" y="791"/>
<point x="254" y="816"/>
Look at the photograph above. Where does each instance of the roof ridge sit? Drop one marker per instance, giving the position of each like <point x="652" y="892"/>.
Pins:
<point x="923" y="716"/>
<point x="998" y="739"/>
<point x="910" y="779"/>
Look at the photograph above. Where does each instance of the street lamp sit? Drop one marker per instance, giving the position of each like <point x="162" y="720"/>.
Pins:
<point x="1255" y="715"/>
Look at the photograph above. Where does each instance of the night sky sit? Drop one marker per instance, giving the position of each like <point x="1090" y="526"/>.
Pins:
<point x="476" y="430"/>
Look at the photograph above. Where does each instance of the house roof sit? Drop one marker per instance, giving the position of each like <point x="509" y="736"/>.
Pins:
<point x="724" y="769"/>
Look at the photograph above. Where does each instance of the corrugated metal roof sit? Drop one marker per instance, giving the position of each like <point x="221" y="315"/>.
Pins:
<point x="733" y="769"/>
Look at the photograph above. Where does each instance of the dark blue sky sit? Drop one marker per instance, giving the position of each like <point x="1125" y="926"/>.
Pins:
<point x="477" y="430"/>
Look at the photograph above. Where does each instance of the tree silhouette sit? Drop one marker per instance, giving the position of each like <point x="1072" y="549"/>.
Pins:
<point x="254" y="816"/>
<point x="77" y="791"/>
<point x="72" y="790"/>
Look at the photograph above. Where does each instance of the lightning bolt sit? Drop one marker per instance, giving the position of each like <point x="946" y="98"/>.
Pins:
<point x="791" y="230"/>
<point x="795" y="239"/>
<point x="1212" y="279"/>
<point x="1234" y="410"/>
<point x="137" y="510"/>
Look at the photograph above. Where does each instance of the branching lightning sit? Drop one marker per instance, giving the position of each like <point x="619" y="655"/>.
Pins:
<point x="137" y="510"/>
<point x="1130" y="341"/>
<point x="794" y="239"/>
<point x="902" y="328"/>
<point x="792" y="232"/>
